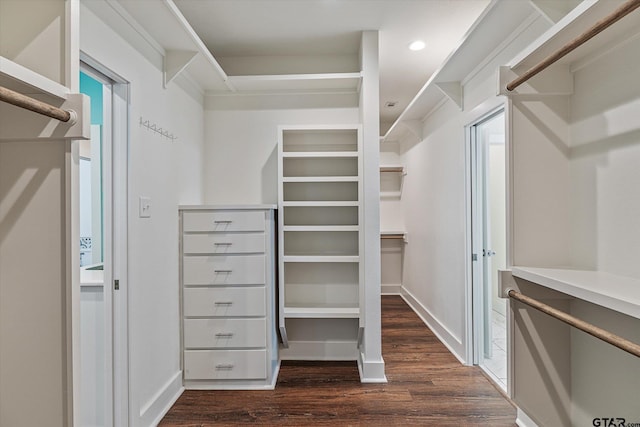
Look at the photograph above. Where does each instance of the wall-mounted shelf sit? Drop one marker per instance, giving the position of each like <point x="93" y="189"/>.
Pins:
<point x="621" y="294"/>
<point x="322" y="312"/>
<point x="391" y="181"/>
<point x="164" y="27"/>
<point x="316" y="83"/>
<point x="320" y="154"/>
<point x="320" y="228"/>
<point x="570" y="27"/>
<point x="499" y="21"/>
<point x="23" y="80"/>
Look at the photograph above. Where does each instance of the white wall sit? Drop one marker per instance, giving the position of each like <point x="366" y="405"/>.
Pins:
<point x="605" y="212"/>
<point x="434" y="200"/>
<point x="242" y="148"/>
<point x="170" y="173"/>
<point x="36" y="308"/>
<point x="434" y="209"/>
<point x="605" y="153"/>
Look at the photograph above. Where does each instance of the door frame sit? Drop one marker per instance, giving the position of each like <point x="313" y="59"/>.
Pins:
<point x="478" y="115"/>
<point x="115" y="182"/>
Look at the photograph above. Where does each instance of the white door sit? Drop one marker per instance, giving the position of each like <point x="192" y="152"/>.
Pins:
<point x="102" y="200"/>
<point x="488" y="211"/>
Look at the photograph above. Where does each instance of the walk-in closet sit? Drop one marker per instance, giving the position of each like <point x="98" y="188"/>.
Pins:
<point x="309" y="212"/>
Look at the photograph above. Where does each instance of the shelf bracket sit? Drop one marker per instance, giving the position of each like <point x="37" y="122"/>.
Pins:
<point x="453" y="91"/>
<point x="175" y="61"/>
<point x="283" y="337"/>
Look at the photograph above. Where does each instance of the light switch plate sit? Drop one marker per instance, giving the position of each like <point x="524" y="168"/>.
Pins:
<point x="145" y="207"/>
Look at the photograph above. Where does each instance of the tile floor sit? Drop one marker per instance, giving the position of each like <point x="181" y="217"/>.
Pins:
<point x="497" y="365"/>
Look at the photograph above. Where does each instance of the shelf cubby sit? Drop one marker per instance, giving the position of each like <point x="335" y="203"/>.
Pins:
<point x="320" y="193"/>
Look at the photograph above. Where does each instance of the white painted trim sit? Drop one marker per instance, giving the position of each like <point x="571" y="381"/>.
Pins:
<point x="523" y="420"/>
<point x="371" y="371"/>
<point x="445" y="336"/>
<point x="370" y="320"/>
<point x="119" y="178"/>
<point x="163" y="400"/>
<point x="468" y="247"/>
<point x="472" y="324"/>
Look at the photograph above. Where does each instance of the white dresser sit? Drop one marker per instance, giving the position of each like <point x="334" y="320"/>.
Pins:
<point x="227" y="263"/>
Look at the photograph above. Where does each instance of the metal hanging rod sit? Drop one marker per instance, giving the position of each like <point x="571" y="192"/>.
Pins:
<point x="391" y="169"/>
<point x="606" y="336"/>
<point x="397" y="236"/>
<point x="26" y="102"/>
<point x="625" y="9"/>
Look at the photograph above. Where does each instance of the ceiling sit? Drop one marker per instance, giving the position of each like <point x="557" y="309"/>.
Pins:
<point x="325" y="34"/>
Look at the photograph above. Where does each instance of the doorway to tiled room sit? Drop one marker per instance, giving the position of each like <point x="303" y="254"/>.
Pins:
<point x="488" y="217"/>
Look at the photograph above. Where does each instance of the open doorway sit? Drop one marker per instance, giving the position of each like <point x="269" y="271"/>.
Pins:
<point x="102" y="224"/>
<point x="488" y="217"/>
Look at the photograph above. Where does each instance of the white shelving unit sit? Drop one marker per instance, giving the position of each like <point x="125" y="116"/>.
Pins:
<point x="392" y="236"/>
<point x="320" y="241"/>
<point x="574" y="219"/>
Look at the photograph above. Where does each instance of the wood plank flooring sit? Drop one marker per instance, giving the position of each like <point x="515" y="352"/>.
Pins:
<point x="426" y="386"/>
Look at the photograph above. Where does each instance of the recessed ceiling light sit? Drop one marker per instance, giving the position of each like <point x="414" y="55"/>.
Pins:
<point x="417" y="45"/>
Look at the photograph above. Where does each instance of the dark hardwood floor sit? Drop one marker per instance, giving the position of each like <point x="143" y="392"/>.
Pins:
<point x="426" y="386"/>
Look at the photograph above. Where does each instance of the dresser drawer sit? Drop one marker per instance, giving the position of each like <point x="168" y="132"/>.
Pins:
<point x="223" y="243"/>
<point x="224" y="270"/>
<point x="224" y="302"/>
<point x="225" y="364"/>
<point x="223" y="221"/>
<point x="225" y="333"/>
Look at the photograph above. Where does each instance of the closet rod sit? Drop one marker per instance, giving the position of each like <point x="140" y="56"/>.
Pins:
<point x="606" y="336"/>
<point x="392" y="236"/>
<point x="596" y="29"/>
<point x="23" y="101"/>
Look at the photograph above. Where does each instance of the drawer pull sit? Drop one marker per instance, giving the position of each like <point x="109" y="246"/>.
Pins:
<point x="223" y="303"/>
<point x="224" y="367"/>
<point x="224" y="335"/>
<point x="222" y="221"/>
<point x="223" y="243"/>
<point x="222" y="271"/>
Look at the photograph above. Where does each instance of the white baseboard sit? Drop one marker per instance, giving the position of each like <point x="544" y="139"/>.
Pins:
<point x="454" y="345"/>
<point x="157" y="407"/>
<point x="371" y="371"/>
<point x="523" y="420"/>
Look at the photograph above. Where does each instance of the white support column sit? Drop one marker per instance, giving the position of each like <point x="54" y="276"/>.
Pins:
<point x="370" y="363"/>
